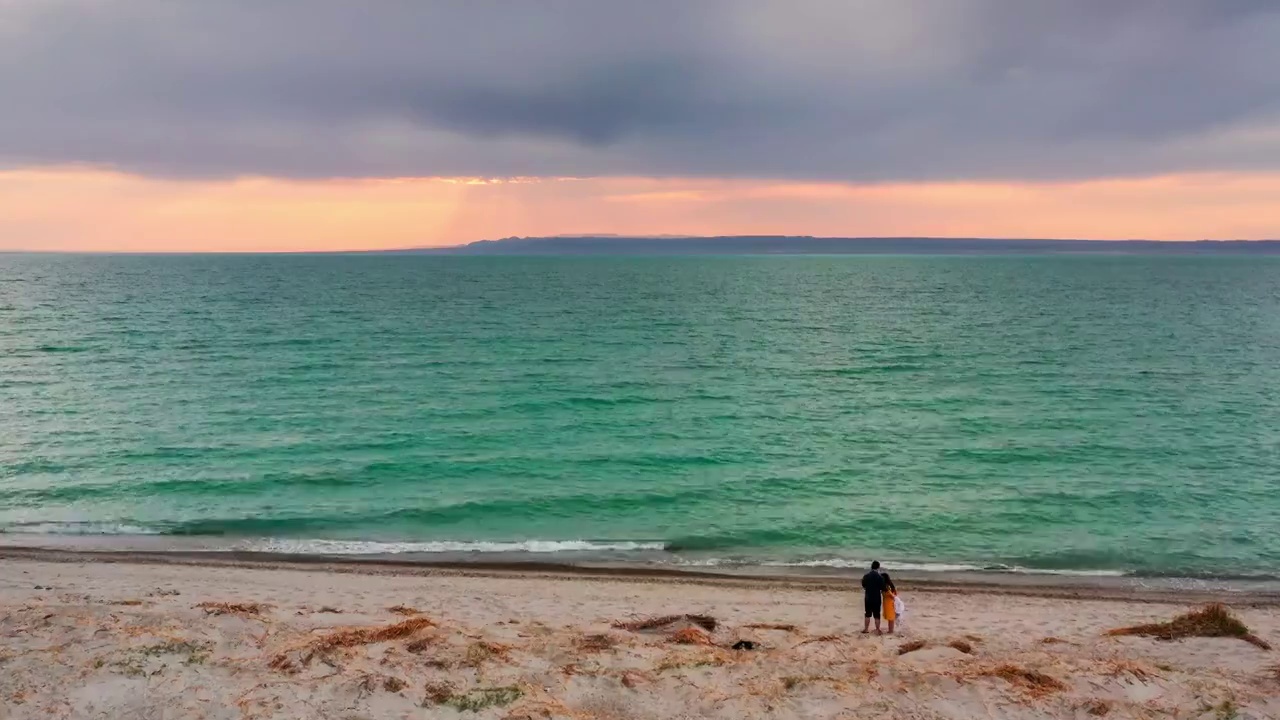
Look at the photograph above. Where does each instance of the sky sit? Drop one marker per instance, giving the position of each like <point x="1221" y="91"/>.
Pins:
<point x="242" y="125"/>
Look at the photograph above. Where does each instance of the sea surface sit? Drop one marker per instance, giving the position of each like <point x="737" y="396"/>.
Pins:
<point x="1073" y="414"/>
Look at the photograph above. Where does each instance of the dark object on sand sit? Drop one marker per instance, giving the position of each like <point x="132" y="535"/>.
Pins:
<point x="744" y="645"/>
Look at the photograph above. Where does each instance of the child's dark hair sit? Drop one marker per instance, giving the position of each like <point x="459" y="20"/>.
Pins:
<point x="875" y="565"/>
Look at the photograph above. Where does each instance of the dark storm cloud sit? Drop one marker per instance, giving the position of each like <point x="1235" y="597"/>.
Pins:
<point x="808" y="89"/>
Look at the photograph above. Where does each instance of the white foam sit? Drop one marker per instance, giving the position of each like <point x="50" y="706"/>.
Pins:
<point x="843" y="563"/>
<point x="362" y="547"/>
<point x="77" y="528"/>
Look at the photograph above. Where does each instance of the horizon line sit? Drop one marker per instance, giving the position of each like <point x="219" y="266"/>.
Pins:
<point x="663" y="237"/>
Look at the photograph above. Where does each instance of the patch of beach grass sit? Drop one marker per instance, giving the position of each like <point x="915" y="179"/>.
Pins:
<point x="481" y="652"/>
<point x="1032" y="681"/>
<point x="681" y="661"/>
<point x="479" y="699"/>
<point x="196" y="653"/>
<point x="438" y="692"/>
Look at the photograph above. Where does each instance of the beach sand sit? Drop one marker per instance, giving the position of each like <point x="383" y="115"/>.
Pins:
<point x="86" y="639"/>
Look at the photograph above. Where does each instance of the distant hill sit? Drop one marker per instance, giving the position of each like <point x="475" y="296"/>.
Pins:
<point x="804" y="245"/>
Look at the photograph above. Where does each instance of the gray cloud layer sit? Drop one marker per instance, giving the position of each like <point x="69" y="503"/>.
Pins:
<point x="838" y="89"/>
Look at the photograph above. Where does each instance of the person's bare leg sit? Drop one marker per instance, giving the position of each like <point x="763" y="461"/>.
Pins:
<point x="866" y="625"/>
<point x="891" y="627"/>
<point x="878" y="626"/>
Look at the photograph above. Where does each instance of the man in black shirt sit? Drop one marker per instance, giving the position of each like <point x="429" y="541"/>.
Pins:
<point x="873" y="586"/>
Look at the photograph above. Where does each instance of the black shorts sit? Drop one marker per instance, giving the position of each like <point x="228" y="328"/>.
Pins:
<point x="872" y="605"/>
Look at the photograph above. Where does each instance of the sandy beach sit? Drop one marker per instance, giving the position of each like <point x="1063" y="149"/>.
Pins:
<point x="85" y="639"/>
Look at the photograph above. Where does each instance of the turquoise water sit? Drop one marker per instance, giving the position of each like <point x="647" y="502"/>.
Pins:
<point x="1093" y="414"/>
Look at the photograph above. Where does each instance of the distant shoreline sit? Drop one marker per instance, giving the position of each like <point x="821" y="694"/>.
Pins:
<point x="805" y="245"/>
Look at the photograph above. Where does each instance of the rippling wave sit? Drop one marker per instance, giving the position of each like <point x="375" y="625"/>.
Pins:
<point x="1069" y="415"/>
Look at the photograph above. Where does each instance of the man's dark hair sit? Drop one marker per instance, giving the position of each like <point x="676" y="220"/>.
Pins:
<point x="875" y="565"/>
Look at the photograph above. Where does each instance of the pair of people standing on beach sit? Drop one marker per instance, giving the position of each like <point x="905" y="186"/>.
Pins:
<point x="879" y="596"/>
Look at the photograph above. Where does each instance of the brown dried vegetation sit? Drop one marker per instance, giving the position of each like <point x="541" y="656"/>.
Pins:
<point x="785" y="627"/>
<point x="912" y="646"/>
<point x="1097" y="708"/>
<point x="351" y="637"/>
<point x="595" y="643"/>
<point x="706" y="622"/>
<point x="1032" y="681"/>
<point x="1213" y="620"/>
<point x="690" y="636"/>
<point x="224" y="608"/>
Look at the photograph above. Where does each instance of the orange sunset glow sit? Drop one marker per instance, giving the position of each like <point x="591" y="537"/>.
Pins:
<point x="97" y="211"/>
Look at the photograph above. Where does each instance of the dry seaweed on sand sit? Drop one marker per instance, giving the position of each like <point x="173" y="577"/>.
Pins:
<point x="595" y="643"/>
<point x="963" y="646"/>
<point x="784" y="627"/>
<point x="438" y="692"/>
<point x="1097" y="708"/>
<point x="367" y="636"/>
<point x="350" y="637"/>
<point x="481" y="651"/>
<point x="706" y="622"/>
<point x="1213" y="620"/>
<point x="478" y="699"/>
<point x="393" y="684"/>
<point x="1031" y="680"/>
<point x="690" y="636"/>
<point x="681" y="660"/>
<point x="912" y="646"/>
<point x="421" y="644"/>
<point x="225" y="608"/>
<point x="821" y="639"/>
<point x="1128" y="668"/>
<point x="404" y="610"/>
